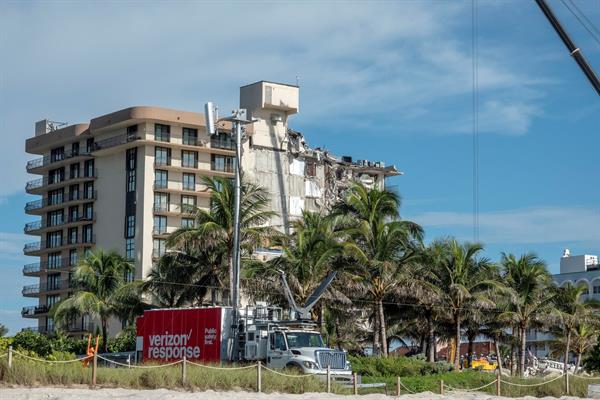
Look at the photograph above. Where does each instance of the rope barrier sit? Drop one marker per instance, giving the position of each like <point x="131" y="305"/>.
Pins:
<point x="288" y="375"/>
<point x="227" y="368"/>
<point x="50" y="361"/>
<point x="140" y="366"/>
<point x="407" y="389"/>
<point x="469" y="390"/>
<point x="531" y="385"/>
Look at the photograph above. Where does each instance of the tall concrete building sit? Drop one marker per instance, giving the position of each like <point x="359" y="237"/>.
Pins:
<point x="122" y="182"/>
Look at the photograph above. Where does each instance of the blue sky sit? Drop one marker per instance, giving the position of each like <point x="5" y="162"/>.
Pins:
<point x="386" y="81"/>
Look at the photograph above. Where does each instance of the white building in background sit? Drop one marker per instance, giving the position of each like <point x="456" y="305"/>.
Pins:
<point x="122" y="182"/>
<point x="577" y="270"/>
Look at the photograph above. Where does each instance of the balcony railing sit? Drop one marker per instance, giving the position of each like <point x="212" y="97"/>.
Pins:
<point x="82" y="327"/>
<point x="39" y="329"/>
<point x="115" y="141"/>
<point x="160" y="184"/>
<point x="65" y="241"/>
<point x="64" y="262"/>
<point x="40" y="224"/>
<point x="41" y="203"/>
<point x="221" y="168"/>
<point x="31" y="289"/>
<point x="172" y="208"/>
<point x="41" y="182"/>
<point x="47" y="160"/>
<point x="34" y="310"/>
<point x="223" y="142"/>
<point x="31" y="247"/>
<point x="159" y="230"/>
<point x="161" y="162"/>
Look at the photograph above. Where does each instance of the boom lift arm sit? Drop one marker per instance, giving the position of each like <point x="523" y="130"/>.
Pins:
<point x="304" y="312"/>
<point x="574" y="50"/>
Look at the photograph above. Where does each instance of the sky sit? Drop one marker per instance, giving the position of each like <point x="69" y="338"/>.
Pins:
<point x="383" y="81"/>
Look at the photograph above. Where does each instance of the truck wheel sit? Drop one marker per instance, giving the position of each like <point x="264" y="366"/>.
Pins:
<point x="294" y="369"/>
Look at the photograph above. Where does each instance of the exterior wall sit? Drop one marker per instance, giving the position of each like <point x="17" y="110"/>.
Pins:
<point x="577" y="263"/>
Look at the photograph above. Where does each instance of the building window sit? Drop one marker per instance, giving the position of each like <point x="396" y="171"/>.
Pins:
<point x="311" y="169"/>
<point x="74" y="149"/>
<point x="88" y="211"/>
<point x="72" y="236"/>
<point x="57" y="154"/>
<point x="53" y="282"/>
<point x="222" y="163"/>
<point x="74" y="171"/>
<point x="73" y="257"/>
<point x="130" y="226"/>
<point x="158" y="247"/>
<point x="88" y="168"/>
<point x="596" y="289"/>
<point x="87" y="251"/>
<point x="54" y="239"/>
<point x="129" y="277"/>
<point x="49" y="324"/>
<point x="190" y="136"/>
<point x="73" y="213"/>
<point x="130" y="249"/>
<point x="162" y="156"/>
<point x="187" y="222"/>
<point x="73" y="192"/>
<point x="55" y="218"/>
<point x="585" y="291"/>
<point x="88" y="235"/>
<point x="131" y="132"/>
<point x="88" y="190"/>
<point x="52" y="300"/>
<point x="188" y="204"/>
<point x="222" y="141"/>
<point x="162" y="133"/>
<point x="161" y="202"/>
<point x="54" y="260"/>
<point x="189" y="181"/>
<point x="161" y="179"/>
<point x="89" y="145"/>
<point x="189" y="159"/>
<point x="56" y="175"/>
<point x="131" y="180"/>
<point x="160" y="225"/>
<point x="56" y="196"/>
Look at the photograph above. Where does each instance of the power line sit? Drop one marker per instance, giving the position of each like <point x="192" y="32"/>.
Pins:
<point x="592" y="30"/>
<point x="475" y="78"/>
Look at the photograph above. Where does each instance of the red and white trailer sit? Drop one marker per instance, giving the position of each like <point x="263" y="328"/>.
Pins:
<point x="199" y="334"/>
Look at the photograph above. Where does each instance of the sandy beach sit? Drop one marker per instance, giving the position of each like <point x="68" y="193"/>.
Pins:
<point x="163" y="394"/>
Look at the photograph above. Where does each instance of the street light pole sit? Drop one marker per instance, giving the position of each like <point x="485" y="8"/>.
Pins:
<point x="238" y="118"/>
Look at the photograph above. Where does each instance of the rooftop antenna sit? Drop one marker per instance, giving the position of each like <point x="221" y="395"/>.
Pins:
<point x="303" y="313"/>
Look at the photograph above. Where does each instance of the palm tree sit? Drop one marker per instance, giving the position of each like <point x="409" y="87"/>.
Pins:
<point x="214" y="228"/>
<point x="99" y="289"/>
<point x="308" y="255"/>
<point x="585" y="336"/>
<point x="572" y="311"/>
<point x="382" y="244"/>
<point x="462" y="281"/>
<point x="529" y="300"/>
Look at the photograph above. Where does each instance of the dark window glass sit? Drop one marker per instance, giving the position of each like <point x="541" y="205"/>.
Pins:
<point x="74" y="149"/>
<point x="162" y="156"/>
<point x="89" y="169"/>
<point x="74" y="171"/>
<point x="54" y="239"/>
<point x="130" y="249"/>
<point x="54" y="260"/>
<point x="130" y="226"/>
<point x="88" y="211"/>
<point x="222" y="141"/>
<point x="56" y="175"/>
<point x="190" y="136"/>
<point x="189" y="181"/>
<point x="161" y="179"/>
<point x="88" y="190"/>
<point x="222" y="163"/>
<point x="88" y="236"/>
<point x="162" y="133"/>
<point x="57" y="154"/>
<point x="89" y="145"/>
<point x="72" y="257"/>
<point x="189" y="159"/>
<point x="56" y="196"/>
<point x="72" y="236"/>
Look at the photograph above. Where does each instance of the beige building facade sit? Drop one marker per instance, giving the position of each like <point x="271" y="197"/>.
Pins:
<point x="123" y="182"/>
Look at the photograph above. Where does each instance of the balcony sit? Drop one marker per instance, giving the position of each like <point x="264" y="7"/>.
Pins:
<point x="160" y="208"/>
<point x="39" y="329"/>
<point x="47" y="160"/>
<point x="36" y="186"/>
<point x="39" y="225"/>
<point x="32" y="247"/>
<point x="229" y="168"/>
<point x="36" y="206"/>
<point x="160" y="184"/>
<point x="223" y="142"/>
<point x="34" y="311"/>
<point x="34" y="269"/>
<point x="159" y="230"/>
<point x="35" y="248"/>
<point x="31" y="290"/>
<point x="161" y="162"/>
<point x="81" y="327"/>
<point x="116" y="141"/>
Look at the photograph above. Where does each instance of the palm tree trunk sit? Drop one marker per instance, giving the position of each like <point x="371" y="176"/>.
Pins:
<point x="498" y="355"/>
<point x="470" y="353"/>
<point x="578" y="363"/>
<point x="457" y="341"/>
<point x="567" y="348"/>
<point x="104" y="323"/>
<point x="430" y="338"/>
<point x="512" y="359"/>
<point x="376" y="331"/>
<point x="522" y="350"/>
<point x="384" y="346"/>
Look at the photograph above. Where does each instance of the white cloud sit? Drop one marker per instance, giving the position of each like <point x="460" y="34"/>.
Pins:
<point x="524" y="226"/>
<point x="11" y="245"/>
<point x="407" y="61"/>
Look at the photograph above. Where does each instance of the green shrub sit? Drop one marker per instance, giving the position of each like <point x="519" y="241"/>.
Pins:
<point x="397" y="366"/>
